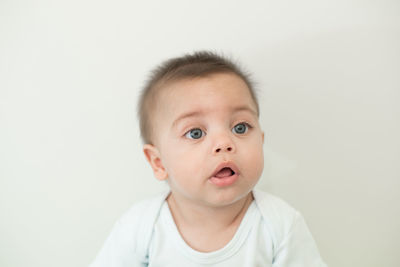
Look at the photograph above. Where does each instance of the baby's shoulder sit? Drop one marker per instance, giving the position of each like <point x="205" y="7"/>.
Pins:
<point x="135" y="226"/>
<point x="129" y="239"/>
<point x="277" y="215"/>
<point x="143" y="213"/>
<point x="273" y="204"/>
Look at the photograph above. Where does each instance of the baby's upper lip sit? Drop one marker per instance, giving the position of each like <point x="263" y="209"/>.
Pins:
<point x="225" y="164"/>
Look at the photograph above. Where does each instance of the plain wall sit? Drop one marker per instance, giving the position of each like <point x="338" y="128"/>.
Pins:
<point x="70" y="155"/>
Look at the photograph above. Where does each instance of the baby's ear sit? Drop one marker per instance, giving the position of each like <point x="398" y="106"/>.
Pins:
<point x="153" y="157"/>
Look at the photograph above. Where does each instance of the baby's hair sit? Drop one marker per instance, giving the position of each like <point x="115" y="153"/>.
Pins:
<point x="195" y="65"/>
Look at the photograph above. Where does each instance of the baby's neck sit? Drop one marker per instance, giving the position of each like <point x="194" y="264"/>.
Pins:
<point x="208" y="228"/>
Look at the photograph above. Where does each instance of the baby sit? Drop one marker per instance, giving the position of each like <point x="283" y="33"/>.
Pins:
<point x="199" y="123"/>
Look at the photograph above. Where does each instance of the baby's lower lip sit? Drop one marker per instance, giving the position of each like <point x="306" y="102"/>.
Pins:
<point x="225" y="181"/>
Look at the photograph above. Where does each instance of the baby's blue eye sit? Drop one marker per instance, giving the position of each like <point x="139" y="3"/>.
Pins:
<point x="240" y="128"/>
<point x="194" y="133"/>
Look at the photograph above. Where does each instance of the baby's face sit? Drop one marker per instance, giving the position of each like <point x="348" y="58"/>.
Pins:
<point x="208" y="139"/>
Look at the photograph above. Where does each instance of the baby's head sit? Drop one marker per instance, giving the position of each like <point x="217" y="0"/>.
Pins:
<point x="199" y="124"/>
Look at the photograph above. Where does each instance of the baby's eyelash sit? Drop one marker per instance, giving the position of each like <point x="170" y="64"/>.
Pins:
<point x="241" y="128"/>
<point x="246" y="123"/>
<point x="193" y="133"/>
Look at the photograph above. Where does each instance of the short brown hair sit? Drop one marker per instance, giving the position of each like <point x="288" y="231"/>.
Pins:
<point x="197" y="64"/>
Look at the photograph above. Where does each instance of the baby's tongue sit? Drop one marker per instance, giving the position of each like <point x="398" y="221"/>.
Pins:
<point x="225" y="172"/>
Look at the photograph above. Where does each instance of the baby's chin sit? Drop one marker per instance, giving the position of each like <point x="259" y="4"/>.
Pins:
<point x="226" y="199"/>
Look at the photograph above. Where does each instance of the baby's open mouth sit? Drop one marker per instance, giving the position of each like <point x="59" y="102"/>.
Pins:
<point x="224" y="172"/>
<point x="225" y="176"/>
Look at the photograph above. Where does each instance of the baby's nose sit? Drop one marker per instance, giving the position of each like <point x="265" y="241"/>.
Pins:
<point x="224" y="144"/>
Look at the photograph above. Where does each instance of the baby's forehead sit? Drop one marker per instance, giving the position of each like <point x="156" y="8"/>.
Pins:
<point x="198" y="92"/>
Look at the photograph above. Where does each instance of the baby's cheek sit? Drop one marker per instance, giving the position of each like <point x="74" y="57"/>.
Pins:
<point x="184" y="170"/>
<point x="256" y="160"/>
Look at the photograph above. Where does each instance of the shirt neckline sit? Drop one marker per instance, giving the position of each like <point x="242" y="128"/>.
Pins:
<point x="219" y="255"/>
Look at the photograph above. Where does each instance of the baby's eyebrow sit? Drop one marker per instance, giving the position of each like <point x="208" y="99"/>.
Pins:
<point x="199" y="113"/>
<point x="245" y="108"/>
<point x="187" y="115"/>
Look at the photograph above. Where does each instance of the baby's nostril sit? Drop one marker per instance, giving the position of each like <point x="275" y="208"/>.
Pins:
<point x="219" y="149"/>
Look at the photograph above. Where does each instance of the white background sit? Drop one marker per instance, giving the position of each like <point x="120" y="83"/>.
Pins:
<point x="70" y="154"/>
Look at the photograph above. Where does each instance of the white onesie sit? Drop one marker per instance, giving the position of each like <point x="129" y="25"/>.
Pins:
<point x="271" y="234"/>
